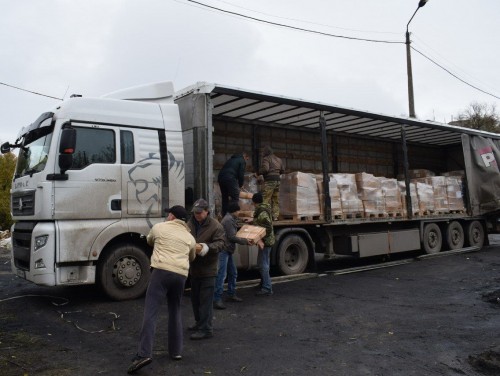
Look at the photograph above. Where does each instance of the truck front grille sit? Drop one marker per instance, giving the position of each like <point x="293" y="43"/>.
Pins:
<point x="23" y="203"/>
<point x="21" y="244"/>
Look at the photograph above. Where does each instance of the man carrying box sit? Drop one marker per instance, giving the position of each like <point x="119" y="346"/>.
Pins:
<point x="227" y="266"/>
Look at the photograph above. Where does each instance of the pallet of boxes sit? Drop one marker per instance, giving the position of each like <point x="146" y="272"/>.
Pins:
<point x="298" y="197"/>
<point x="432" y="195"/>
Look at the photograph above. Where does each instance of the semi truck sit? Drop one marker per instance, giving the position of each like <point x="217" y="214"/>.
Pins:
<point x="93" y="175"/>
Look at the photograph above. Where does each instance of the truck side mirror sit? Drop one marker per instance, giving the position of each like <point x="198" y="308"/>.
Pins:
<point x="66" y="149"/>
<point x="5" y="148"/>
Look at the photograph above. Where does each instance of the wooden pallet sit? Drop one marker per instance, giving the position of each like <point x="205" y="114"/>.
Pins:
<point x="354" y="215"/>
<point x="376" y="215"/>
<point x="395" y="214"/>
<point x="298" y="217"/>
<point x="423" y="213"/>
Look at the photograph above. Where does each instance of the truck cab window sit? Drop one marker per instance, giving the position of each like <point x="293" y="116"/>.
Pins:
<point x="93" y="146"/>
<point x="127" y="147"/>
<point x="33" y="155"/>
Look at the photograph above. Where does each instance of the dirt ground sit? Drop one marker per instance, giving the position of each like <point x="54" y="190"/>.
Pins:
<point x="438" y="316"/>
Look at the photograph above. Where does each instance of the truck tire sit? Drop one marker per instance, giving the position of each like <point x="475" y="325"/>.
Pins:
<point x="454" y="235"/>
<point x="432" y="238"/>
<point x="293" y="255"/>
<point x="475" y="234"/>
<point x="123" y="272"/>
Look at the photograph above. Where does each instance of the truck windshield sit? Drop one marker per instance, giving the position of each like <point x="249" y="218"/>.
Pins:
<point x="33" y="156"/>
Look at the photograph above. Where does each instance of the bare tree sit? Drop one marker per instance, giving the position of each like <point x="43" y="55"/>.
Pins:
<point x="479" y="116"/>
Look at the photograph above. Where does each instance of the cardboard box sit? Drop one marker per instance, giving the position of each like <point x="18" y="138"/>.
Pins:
<point x="251" y="232"/>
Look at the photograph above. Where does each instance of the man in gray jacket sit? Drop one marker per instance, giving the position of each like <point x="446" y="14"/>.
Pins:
<point x="226" y="263"/>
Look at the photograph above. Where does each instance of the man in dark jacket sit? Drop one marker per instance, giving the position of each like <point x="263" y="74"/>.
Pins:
<point x="231" y="178"/>
<point x="209" y="235"/>
<point x="271" y="168"/>
<point x="226" y="263"/>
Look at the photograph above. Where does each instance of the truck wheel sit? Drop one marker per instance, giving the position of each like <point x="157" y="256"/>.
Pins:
<point x="293" y="255"/>
<point x="123" y="273"/>
<point x="475" y="234"/>
<point x="432" y="239"/>
<point x="455" y="235"/>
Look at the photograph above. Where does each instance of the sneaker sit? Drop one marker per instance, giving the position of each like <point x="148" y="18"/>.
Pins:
<point x="201" y="335"/>
<point x="263" y="292"/>
<point x="138" y="362"/>
<point x="219" y="305"/>
<point x="193" y="328"/>
<point x="176" y="357"/>
<point x="234" y="298"/>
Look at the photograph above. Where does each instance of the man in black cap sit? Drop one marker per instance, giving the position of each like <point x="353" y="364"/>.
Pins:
<point x="173" y="248"/>
<point x="210" y="239"/>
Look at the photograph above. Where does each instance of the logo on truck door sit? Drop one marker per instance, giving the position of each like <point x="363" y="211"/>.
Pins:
<point x="148" y="187"/>
<point x="488" y="157"/>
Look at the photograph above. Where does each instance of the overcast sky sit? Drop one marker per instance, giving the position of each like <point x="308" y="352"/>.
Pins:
<point x="92" y="47"/>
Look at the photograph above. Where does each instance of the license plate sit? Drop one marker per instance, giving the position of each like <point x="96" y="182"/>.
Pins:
<point x="21" y="273"/>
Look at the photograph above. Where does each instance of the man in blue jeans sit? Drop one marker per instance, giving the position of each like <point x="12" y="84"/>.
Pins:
<point x="226" y="263"/>
<point x="263" y="217"/>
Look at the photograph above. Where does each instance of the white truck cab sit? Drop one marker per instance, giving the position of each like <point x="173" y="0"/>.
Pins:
<point x="92" y="177"/>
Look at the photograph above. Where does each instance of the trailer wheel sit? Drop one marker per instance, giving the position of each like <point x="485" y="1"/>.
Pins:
<point x="455" y="235"/>
<point x="432" y="239"/>
<point x="123" y="273"/>
<point x="293" y="255"/>
<point x="475" y="234"/>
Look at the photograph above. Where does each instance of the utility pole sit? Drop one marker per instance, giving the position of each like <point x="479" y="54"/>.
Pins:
<point x="411" y="99"/>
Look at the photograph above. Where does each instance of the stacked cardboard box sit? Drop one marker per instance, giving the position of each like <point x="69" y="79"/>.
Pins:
<point x="254" y="233"/>
<point x="454" y="188"/>
<point x="299" y="195"/>
<point x="439" y="187"/>
<point x="425" y="194"/>
<point x="370" y="192"/>
<point x="250" y="186"/>
<point x="334" y="195"/>
<point x="392" y="196"/>
<point x="350" y="202"/>
<point x="413" y="197"/>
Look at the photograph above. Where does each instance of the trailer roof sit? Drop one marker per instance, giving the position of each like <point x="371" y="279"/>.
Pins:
<point x="260" y="108"/>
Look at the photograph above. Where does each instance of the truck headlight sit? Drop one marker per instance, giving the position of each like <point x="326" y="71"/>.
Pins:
<point x="39" y="264"/>
<point x="40" y="241"/>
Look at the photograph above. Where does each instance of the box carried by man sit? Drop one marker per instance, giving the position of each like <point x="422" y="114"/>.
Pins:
<point x="254" y="233"/>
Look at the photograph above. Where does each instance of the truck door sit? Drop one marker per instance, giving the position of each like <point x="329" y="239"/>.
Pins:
<point x="89" y="199"/>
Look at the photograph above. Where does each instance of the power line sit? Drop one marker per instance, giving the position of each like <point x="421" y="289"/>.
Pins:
<point x="29" y="91"/>
<point x="333" y="35"/>
<point x="309" y="22"/>
<point x="454" y="75"/>
<point x="292" y="27"/>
